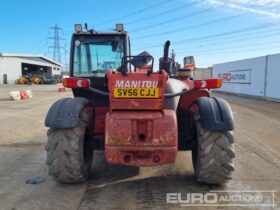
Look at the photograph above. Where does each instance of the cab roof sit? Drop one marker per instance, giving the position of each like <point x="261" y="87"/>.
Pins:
<point x="102" y="33"/>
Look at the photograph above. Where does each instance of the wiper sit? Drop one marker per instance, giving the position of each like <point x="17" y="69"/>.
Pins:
<point x="100" y="71"/>
<point x="97" y="71"/>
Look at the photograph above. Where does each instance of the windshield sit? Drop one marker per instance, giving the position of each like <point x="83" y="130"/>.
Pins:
<point x="95" y="55"/>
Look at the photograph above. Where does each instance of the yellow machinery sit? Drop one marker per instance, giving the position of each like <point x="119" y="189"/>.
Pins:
<point x="23" y="81"/>
<point x="37" y="80"/>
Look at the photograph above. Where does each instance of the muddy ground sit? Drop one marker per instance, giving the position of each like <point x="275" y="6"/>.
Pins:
<point x="22" y="156"/>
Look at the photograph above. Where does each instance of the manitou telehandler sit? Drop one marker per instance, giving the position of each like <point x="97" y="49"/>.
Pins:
<point x="138" y="115"/>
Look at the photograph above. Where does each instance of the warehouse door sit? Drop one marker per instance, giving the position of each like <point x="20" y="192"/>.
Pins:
<point x="5" y="79"/>
<point x="35" y="70"/>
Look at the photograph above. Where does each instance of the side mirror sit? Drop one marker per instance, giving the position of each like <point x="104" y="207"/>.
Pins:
<point x="141" y="59"/>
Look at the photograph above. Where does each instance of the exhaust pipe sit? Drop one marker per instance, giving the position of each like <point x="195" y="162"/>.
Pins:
<point x="166" y="50"/>
<point x="165" y="61"/>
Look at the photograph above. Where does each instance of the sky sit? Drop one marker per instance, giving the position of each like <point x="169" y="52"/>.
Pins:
<point x="213" y="31"/>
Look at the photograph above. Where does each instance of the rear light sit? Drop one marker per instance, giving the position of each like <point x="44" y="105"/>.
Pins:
<point x="208" y="83"/>
<point x="76" y="82"/>
<point x="190" y="66"/>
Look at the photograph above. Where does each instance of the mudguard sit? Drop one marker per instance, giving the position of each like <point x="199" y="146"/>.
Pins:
<point x="65" y="113"/>
<point x="216" y="114"/>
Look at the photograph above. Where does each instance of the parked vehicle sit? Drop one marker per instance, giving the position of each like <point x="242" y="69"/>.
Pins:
<point x="140" y="117"/>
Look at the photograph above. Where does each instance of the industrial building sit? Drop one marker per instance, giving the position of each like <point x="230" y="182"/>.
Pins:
<point x="13" y="66"/>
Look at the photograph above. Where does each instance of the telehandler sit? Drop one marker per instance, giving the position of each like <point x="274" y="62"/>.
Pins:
<point x="139" y="115"/>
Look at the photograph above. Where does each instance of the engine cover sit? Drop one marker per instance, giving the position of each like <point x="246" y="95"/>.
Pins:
<point x="141" y="138"/>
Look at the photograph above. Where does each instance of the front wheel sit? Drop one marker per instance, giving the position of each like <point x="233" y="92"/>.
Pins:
<point x="68" y="155"/>
<point x="213" y="155"/>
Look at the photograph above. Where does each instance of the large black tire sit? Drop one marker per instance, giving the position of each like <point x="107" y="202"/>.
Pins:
<point x="68" y="156"/>
<point x="213" y="155"/>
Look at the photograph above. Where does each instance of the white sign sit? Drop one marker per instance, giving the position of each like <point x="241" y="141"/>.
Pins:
<point x="236" y="76"/>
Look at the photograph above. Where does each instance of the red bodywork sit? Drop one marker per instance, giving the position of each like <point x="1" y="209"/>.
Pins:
<point x="187" y="100"/>
<point x="99" y="117"/>
<point x="139" y="131"/>
<point x="142" y="138"/>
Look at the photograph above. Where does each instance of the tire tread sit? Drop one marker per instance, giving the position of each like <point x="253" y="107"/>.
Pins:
<point x="215" y="155"/>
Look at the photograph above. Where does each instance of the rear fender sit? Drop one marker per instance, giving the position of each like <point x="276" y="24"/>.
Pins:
<point x="216" y="114"/>
<point x="65" y="113"/>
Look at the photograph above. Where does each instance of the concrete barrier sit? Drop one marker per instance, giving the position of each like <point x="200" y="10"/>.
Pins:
<point x="21" y="95"/>
<point x="29" y="93"/>
<point x="62" y="89"/>
<point x="15" y="95"/>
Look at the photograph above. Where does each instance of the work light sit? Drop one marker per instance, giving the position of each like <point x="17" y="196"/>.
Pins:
<point x="78" y="28"/>
<point x="119" y="27"/>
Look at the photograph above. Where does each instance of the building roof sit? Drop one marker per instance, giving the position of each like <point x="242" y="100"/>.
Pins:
<point x="20" y="55"/>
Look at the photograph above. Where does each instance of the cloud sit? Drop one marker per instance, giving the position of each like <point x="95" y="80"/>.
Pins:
<point x="269" y="8"/>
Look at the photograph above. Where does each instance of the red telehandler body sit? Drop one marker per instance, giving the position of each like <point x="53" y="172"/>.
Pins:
<point x="139" y="116"/>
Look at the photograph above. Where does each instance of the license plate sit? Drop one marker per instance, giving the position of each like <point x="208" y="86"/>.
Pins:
<point x="136" y="92"/>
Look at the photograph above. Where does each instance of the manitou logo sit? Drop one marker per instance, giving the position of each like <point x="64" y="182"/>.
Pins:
<point x="236" y="76"/>
<point x="136" y="84"/>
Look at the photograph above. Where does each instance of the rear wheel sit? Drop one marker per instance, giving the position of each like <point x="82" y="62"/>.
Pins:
<point x="213" y="155"/>
<point x="68" y="155"/>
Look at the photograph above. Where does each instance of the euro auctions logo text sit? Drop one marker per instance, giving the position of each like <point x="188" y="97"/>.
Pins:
<point x="257" y="198"/>
<point x="231" y="76"/>
<point x="192" y="198"/>
<point x="236" y="76"/>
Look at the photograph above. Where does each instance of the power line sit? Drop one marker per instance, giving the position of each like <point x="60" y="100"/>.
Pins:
<point x="241" y="50"/>
<point x="172" y="20"/>
<point x="39" y="45"/>
<point x="251" y="36"/>
<point x="135" y="13"/>
<point x="242" y="30"/>
<point x="233" y="37"/>
<point x="232" y="47"/>
<point x="210" y="51"/>
<point x="191" y="27"/>
<point x="231" y="41"/>
<point x="268" y="47"/>
<point x="168" y="11"/>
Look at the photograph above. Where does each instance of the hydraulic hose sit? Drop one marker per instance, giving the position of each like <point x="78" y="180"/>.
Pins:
<point x="100" y="92"/>
<point x="170" y="95"/>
